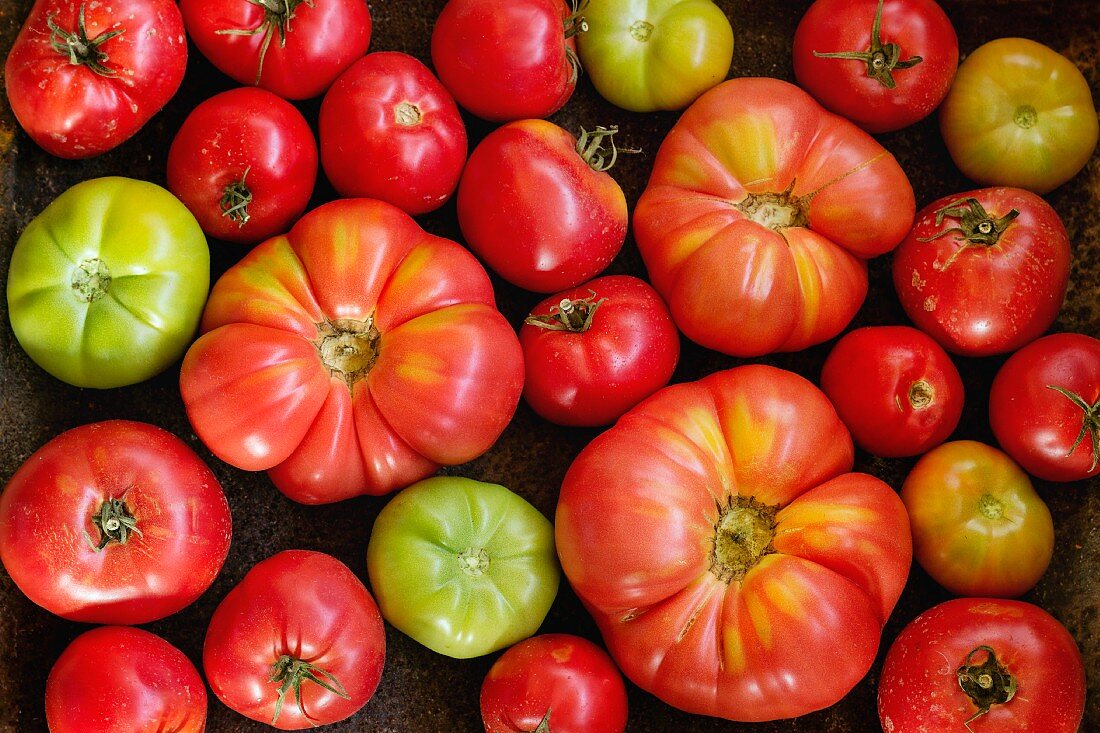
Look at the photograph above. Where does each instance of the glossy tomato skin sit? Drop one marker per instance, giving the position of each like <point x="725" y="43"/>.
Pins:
<point x="1019" y="114"/>
<point x="562" y="676"/>
<point x="462" y="566"/>
<point x="505" y="60"/>
<point x="895" y="388"/>
<point x="117" y="679"/>
<point x="244" y="163"/>
<point x="979" y="528"/>
<point x="977" y="299"/>
<point x="354" y="355"/>
<point x="536" y="212"/>
<point x="761" y="549"/>
<point x="591" y="377"/>
<point x="758" y="216"/>
<point x="391" y="131"/>
<point x="1040" y="427"/>
<point x="106" y="286"/>
<point x="48" y="538"/>
<point x="920" y="691"/>
<point x="296" y="605"/>
<point x="322" y="40"/>
<point x="74" y="111"/>
<point x="919" y="28"/>
<point x="649" y="55"/>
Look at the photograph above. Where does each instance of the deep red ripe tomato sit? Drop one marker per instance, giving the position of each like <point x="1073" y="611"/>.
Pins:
<point x="297" y="643"/>
<point x="294" y="48"/>
<point x="592" y="353"/>
<point x="560" y="681"/>
<point x="984" y="272"/>
<point x="1045" y="407"/>
<point x="244" y="162"/>
<point x="538" y="206"/>
<point x="391" y="131"/>
<point x="117" y="679"/>
<point x="986" y="666"/>
<point x="115" y="522"/>
<point x="882" y="65"/>
<point x="507" y="60"/>
<point x="895" y="388"/>
<point x="82" y="79"/>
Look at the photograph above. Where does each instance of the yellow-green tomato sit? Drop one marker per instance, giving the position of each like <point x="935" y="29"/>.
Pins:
<point x="107" y="284"/>
<point x="1019" y="114"/>
<point x="463" y="567"/>
<point x="648" y="55"/>
<point x="979" y="528"/>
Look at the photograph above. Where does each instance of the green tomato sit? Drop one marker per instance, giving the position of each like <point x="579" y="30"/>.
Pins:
<point x="463" y="567"/>
<point x="107" y="284"/>
<point x="648" y="55"/>
<point x="1019" y="114"/>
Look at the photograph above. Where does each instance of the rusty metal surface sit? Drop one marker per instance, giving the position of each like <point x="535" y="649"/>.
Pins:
<point x="421" y="691"/>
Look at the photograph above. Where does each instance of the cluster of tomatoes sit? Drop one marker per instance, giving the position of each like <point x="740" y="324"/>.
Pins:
<point x="734" y="563"/>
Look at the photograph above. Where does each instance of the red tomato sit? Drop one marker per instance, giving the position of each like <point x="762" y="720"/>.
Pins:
<point x="895" y="389"/>
<point x="560" y="681"/>
<point x="115" y="522"/>
<point x="538" y="207"/>
<point x="353" y="355"/>
<point x="760" y="211"/>
<point x="294" y="48"/>
<point x="882" y="65"/>
<point x="82" y="79"/>
<point x="116" y="679"/>
<point x="1045" y="407"/>
<point x="507" y="60"/>
<point x="391" y="131"/>
<point x="760" y="550"/>
<point x="592" y="353"/>
<point x="244" y="162"/>
<point x="986" y="666"/>
<point x="297" y="643"/>
<point x="984" y="272"/>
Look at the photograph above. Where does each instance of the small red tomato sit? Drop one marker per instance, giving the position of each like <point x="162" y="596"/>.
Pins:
<point x="117" y="679"/>
<point x="391" y="131"/>
<point x="297" y="643"/>
<point x="507" y="60"/>
<point x="1045" y="407"/>
<point x="244" y="162"/>
<point x="882" y="65"/>
<point x="554" y="682"/>
<point x="294" y="48"/>
<point x="895" y="389"/>
<point x="538" y="206"/>
<point x="984" y="666"/>
<point x="82" y="79"/>
<point x="594" y="352"/>
<point x="984" y="272"/>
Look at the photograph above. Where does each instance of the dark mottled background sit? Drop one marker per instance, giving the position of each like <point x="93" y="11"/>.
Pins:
<point x="421" y="691"/>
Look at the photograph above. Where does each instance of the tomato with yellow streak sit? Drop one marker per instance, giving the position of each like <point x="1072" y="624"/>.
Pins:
<point x="734" y="564"/>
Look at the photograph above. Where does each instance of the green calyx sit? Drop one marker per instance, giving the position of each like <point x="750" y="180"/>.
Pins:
<point x="277" y="17"/>
<point x="574" y="316"/>
<point x="290" y="673"/>
<point x="975" y="227"/>
<point x="235" y="200"/>
<point x="81" y="50"/>
<point x="598" y="150"/>
<point x="986" y="684"/>
<point x="1090" y="424"/>
<point x="115" y="522"/>
<point x="882" y="59"/>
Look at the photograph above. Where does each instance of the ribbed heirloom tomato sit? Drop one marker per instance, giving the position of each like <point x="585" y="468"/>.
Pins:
<point x="734" y="565"/>
<point x="758" y="216"/>
<point x="353" y="355"/>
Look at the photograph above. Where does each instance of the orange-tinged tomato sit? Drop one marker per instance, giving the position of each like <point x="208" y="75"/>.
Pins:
<point x="720" y="546"/>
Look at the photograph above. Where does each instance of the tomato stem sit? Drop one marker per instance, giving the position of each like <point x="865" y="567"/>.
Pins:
<point x="277" y="17"/>
<point x="597" y="148"/>
<point x="291" y="673"/>
<point x="115" y="523"/>
<point x="881" y="59"/>
<point x="574" y="24"/>
<point x="235" y="200"/>
<point x="977" y="227"/>
<point x="986" y="684"/>
<point x="574" y="315"/>
<point x="1090" y="424"/>
<point x="544" y="724"/>
<point x="79" y="48"/>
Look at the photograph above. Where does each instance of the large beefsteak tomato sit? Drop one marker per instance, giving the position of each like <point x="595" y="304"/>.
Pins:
<point x="760" y="211"/>
<point x="353" y="355"/>
<point x="734" y="565"/>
